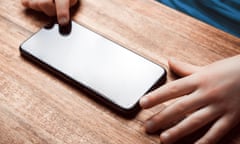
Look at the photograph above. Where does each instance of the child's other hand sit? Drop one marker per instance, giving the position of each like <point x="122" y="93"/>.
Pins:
<point x="52" y="8"/>
<point x="209" y="94"/>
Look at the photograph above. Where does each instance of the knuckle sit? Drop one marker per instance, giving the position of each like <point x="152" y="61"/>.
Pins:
<point x="201" y="80"/>
<point x="181" y="106"/>
<point x="62" y="14"/>
<point x="157" y="118"/>
<point x="197" y="81"/>
<point x="197" y="121"/>
<point x="173" y="88"/>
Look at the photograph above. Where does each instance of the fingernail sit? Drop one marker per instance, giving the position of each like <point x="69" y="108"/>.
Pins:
<point x="143" y="101"/>
<point x="63" y="20"/>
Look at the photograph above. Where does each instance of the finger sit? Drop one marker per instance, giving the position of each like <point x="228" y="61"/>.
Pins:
<point x="174" y="113"/>
<point x="33" y="4"/>
<point x="25" y="3"/>
<point x="62" y="8"/>
<point x="218" y="130"/>
<point x="48" y="7"/>
<point x="169" y="91"/>
<point x="181" y="68"/>
<point x="192" y="123"/>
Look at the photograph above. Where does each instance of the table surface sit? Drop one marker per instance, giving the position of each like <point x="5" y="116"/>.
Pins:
<point x="37" y="107"/>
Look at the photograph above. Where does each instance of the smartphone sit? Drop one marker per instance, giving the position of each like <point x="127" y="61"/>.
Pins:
<point x="107" y="70"/>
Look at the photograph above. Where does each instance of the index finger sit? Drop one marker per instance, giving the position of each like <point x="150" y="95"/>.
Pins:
<point x="169" y="91"/>
<point x="62" y="8"/>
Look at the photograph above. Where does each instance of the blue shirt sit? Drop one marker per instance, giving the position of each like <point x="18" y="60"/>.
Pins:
<point x="222" y="14"/>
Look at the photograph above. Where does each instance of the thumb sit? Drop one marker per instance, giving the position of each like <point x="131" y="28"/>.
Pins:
<point x="181" y="68"/>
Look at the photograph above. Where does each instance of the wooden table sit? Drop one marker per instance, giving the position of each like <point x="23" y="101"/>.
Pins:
<point x="37" y="107"/>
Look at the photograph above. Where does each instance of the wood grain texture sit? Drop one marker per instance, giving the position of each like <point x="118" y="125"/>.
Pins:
<point x="36" y="107"/>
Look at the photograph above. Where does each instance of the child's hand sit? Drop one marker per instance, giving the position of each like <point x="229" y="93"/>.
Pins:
<point x="209" y="94"/>
<point x="52" y="8"/>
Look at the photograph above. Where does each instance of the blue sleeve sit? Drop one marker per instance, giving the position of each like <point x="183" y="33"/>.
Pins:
<point x="222" y="14"/>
